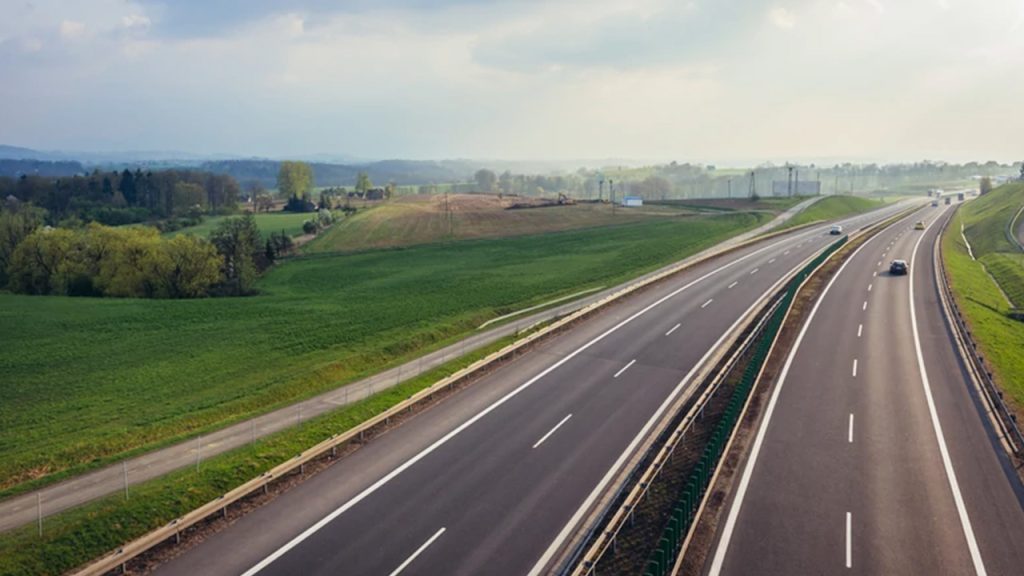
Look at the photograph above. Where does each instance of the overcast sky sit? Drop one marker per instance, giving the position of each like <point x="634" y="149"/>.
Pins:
<point x="724" y="81"/>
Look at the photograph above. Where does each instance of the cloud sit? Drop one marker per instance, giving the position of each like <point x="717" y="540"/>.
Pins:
<point x="71" y="30"/>
<point x="782" y="18"/>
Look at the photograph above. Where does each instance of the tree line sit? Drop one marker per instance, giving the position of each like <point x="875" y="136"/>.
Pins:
<point x="130" y="261"/>
<point x="116" y="198"/>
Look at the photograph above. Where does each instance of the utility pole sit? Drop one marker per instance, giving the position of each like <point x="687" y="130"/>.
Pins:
<point x="730" y="186"/>
<point x="753" y="185"/>
<point x="611" y="193"/>
<point x="789" y="179"/>
<point x="600" y="190"/>
<point x="796" y="181"/>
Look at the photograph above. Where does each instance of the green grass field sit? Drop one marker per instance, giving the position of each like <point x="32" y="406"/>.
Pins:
<point x="422" y="219"/>
<point x="268" y="223"/>
<point x="985" y="221"/>
<point x="833" y="207"/>
<point x="999" y="337"/>
<point x="87" y="381"/>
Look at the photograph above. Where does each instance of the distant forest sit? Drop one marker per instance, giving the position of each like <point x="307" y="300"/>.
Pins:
<point x="125" y="197"/>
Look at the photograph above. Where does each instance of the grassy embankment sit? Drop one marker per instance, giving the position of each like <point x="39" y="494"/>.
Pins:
<point x="268" y="223"/>
<point x="89" y="381"/>
<point x="999" y="337"/>
<point x="833" y="207"/>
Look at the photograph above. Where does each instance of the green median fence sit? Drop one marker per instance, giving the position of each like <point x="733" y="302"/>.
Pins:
<point x="685" y="509"/>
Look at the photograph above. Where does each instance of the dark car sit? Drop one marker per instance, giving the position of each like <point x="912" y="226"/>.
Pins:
<point x="898" y="267"/>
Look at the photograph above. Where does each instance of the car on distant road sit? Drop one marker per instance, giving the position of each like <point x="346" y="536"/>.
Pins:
<point x="836" y="230"/>
<point x="935" y="204"/>
<point x="898" y="268"/>
<point x="919" y="225"/>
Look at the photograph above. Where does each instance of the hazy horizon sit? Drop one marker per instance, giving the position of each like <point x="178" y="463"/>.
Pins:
<point x="727" y="83"/>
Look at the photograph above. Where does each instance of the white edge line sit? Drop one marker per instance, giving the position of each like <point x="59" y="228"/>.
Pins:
<point x="674" y="328"/>
<point x="965" y="521"/>
<point x="552" y="431"/>
<point x="417" y="552"/>
<point x="444" y="439"/>
<point x="748" y="471"/>
<point x="624" y="368"/>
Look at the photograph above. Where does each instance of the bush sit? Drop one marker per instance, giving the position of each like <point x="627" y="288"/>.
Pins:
<point x="309" y="227"/>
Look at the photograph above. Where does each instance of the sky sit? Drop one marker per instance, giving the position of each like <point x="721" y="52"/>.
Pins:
<point x="716" y="81"/>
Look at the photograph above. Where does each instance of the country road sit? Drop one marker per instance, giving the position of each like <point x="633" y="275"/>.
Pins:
<point x="22" y="509"/>
<point x="874" y="455"/>
<point x="493" y="480"/>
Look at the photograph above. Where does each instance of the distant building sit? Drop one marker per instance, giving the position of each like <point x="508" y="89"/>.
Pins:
<point x="375" y="194"/>
<point x="632" y="201"/>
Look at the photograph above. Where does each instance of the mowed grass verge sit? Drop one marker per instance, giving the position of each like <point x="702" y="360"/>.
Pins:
<point x="833" y="207"/>
<point x="90" y="381"/>
<point x="985" y="221"/>
<point x="78" y="536"/>
<point x="999" y="337"/>
<point x="269" y="223"/>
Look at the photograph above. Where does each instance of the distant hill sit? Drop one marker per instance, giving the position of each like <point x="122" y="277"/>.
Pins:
<point x="16" y="168"/>
<point x="402" y="172"/>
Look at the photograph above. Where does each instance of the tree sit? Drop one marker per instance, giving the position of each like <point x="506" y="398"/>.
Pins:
<point x="16" y="223"/>
<point x="263" y="203"/>
<point x="985" y="186"/>
<point x="192" y="267"/>
<point x="295" y="180"/>
<point x="1021" y="171"/>
<point x="363" y="184"/>
<point x="237" y="241"/>
<point x="485" y="180"/>
<point x="505" y="182"/>
<point x="187" y="196"/>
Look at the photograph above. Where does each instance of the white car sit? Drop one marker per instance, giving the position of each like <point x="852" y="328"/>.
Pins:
<point x="836" y="230"/>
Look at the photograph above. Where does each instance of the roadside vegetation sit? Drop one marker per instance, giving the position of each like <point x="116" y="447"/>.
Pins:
<point x="91" y="380"/>
<point x="833" y="207"/>
<point x="1000" y="338"/>
<point x="267" y="223"/>
<point x="986" y="222"/>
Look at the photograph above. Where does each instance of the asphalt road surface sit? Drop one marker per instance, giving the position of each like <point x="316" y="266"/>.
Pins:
<point x="875" y="455"/>
<point x="492" y="479"/>
<point x="22" y="510"/>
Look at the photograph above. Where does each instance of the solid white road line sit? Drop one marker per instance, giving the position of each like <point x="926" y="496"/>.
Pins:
<point x="552" y="431"/>
<point x="850" y="434"/>
<point x="865" y="306"/>
<point x="490" y="408"/>
<point x="849" y="544"/>
<point x="754" y="271"/>
<point x="748" y="471"/>
<point x="624" y="368"/>
<point x="417" y="552"/>
<point x="854" y="367"/>
<point x="965" y="521"/>
<point x="674" y="328"/>
<point x="705" y="305"/>
<point x="733" y="284"/>
<point x="860" y="330"/>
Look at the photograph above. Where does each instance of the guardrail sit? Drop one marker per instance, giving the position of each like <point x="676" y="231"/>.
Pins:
<point x="1005" y="419"/>
<point x="119" y="557"/>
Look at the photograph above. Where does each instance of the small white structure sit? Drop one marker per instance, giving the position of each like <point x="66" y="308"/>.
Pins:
<point x="632" y="201"/>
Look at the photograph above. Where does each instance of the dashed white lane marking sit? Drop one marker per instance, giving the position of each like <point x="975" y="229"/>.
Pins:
<point x="874" y="274"/>
<point x="624" y="368"/>
<point x="705" y="305"/>
<point x="869" y="287"/>
<point x="786" y="253"/>
<point x="417" y="552"/>
<point x="860" y="330"/>
<point x="865" y="306"/>
<point x="674" y="328"/>
<point x="754" y="271"/>
<point x="552" y="431"/>
<point x="849" y="435"/>
<point x="854" y="367"/>
<point x="733" y="284"/>
<point x="772" y="261"/>
<point x="849" y="538"/>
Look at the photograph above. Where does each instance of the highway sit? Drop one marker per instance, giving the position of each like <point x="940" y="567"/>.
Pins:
<point x="494" y="479"/>
<point x="874" y="455"/>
